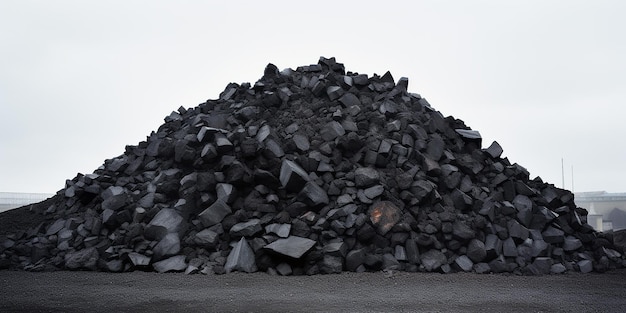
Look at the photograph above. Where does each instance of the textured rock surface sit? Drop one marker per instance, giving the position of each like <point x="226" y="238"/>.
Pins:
<point x="307" y="171"/>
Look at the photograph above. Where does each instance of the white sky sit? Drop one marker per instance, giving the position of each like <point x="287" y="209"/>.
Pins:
<point x="80" y="79"/>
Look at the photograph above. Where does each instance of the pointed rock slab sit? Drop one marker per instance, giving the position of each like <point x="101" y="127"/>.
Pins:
<point x="384" y="215"/>
<point x="176" y="263"/>
<point x="292" y="176"/>
<point x="241" y="258"/>
<point x="214" y="213"/>
<point x="293" y="246"/>
<point x="164" y="222"/>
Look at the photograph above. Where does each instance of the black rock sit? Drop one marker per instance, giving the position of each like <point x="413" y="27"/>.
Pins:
<point x="292" y="176"/>
<point x="246" y="229"/>
<point x="494" y="150"/>
<point x="214" y="213"/>
<point x="476" y="251"/>
<point x="241" y="258"/>
<point x="366" y="177"/>
<point x="313" y="195"/>
<point x="292" y="246"/>
<point x="433" y="260"/>
<point x="176" y="263"/>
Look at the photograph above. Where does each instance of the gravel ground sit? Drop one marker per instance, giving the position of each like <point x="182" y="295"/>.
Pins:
<point x="348" y="292"/>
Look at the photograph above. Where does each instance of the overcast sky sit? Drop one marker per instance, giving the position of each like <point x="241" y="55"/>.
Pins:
<point x="79" y="80"/>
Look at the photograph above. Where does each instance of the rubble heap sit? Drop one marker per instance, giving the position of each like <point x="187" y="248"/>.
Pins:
<point x="313" y="170"/>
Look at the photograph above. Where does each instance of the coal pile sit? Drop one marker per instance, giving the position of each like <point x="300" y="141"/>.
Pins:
<point x="313" y="170"/>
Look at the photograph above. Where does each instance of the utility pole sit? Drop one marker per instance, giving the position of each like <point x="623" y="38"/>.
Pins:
<point x="572" y="178"/>
<point x="562" y="174"/>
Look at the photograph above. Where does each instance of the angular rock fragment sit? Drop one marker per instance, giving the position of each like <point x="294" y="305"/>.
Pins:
<point x="553" y="235"/>
<point x="365" y="177"/>
<point x="138" y="259"/>
<point x="464" y="263"/>
<point x="585" y="266"/>
<point x="292" y="246"/>
<point x="206" y="237"/>
<point x="164" y="222"/>
<point x="241" y="258"/>
<point x="176" y="263"/>
<point x="432" y="259"/>
<point x="313" y="195"/>
<point x="476" y="251"/>
<point x="301" y="142"/>
<point x="246" y="229"/>
<point x="331" y="265"/>
<point x="292" y="176"/>
<point x="85" y="259"/>
<point x="384" y="215"/>
<point x="494" y="150"/>
<point x="461" y="231"/>
<point x="214" y="213"/>
<point x="280" y="230"/>
<point x="169" y="245"/>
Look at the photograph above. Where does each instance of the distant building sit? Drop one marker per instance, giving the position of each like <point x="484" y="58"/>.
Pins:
<point x="610" y="207"/>
<point x="12" y="200"/>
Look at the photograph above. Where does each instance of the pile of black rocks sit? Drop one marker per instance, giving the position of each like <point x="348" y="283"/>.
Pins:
<point x="313" y="170"/>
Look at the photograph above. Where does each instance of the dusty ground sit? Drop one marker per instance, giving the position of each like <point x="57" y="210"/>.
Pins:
<point x="260" y="292"/>
<point x="348" y="292"/>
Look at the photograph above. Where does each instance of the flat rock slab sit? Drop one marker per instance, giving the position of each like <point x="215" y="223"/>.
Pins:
<point x="246" y="229"/>
<point x="176" y="263"/>
<point x="292" y="246"/>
